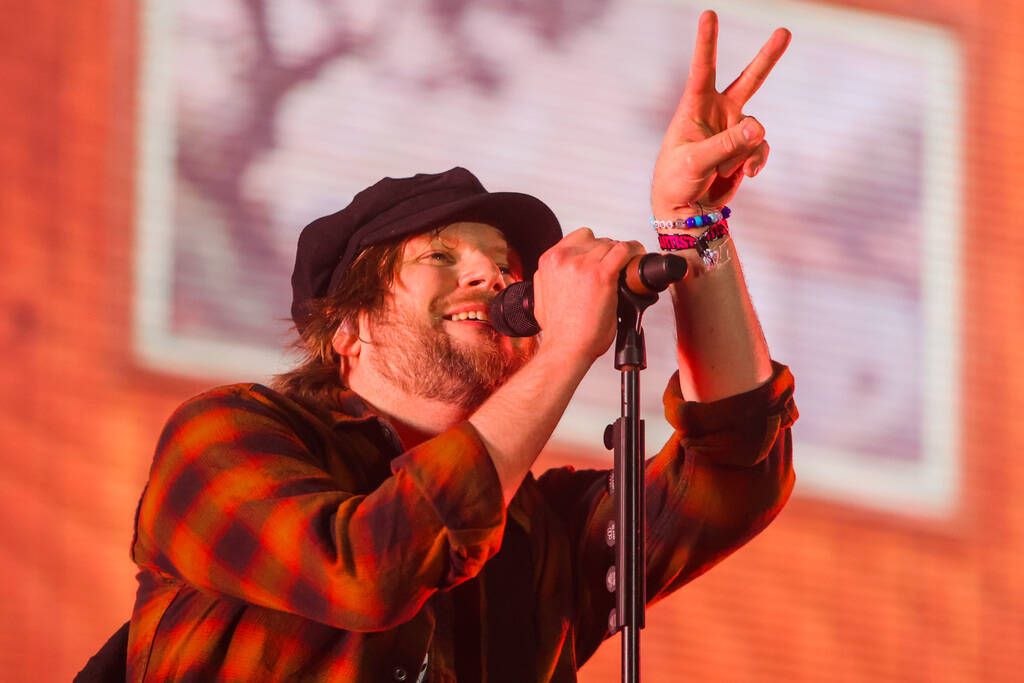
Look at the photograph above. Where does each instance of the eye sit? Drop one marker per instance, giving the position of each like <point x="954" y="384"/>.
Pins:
<point x="510" y="273"/>
<point x="438" y="257"/>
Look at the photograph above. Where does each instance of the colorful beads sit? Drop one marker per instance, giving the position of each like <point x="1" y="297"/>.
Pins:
<point x="716" y="227"/>
<point x="701" y="221"/>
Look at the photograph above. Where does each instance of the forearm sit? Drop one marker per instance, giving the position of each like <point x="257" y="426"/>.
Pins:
<point x="517" y="420"/>
<point x="721" y="348"/>
<point x="710" y="146"/>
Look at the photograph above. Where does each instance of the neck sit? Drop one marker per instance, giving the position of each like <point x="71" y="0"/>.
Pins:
<point x="415" y="418"/>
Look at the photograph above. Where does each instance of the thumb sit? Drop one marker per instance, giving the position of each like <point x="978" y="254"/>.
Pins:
<point x="735" y="141"/>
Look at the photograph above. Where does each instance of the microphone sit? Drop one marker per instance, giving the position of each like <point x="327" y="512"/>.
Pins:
<point x="512" y="309"/>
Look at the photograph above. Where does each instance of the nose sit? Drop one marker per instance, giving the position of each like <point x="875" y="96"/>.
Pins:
<point x="482" y="273"/>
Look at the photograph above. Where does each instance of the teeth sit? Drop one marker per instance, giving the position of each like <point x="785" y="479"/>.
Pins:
<point x="470" y="315"/>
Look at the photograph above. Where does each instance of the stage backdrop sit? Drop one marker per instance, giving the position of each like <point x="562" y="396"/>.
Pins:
<point x="163" y="156"/>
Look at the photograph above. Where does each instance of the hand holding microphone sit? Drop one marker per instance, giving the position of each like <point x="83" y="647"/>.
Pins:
<point x="513" y="310"/>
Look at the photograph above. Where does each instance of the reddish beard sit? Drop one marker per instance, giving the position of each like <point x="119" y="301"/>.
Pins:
<point x="423" y="360"/>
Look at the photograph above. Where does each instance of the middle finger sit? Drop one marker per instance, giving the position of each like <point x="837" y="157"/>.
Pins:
<point x="748" y="82"/>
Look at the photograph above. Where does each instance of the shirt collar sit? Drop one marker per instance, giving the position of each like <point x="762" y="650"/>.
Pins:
<point x="348" y="409"/>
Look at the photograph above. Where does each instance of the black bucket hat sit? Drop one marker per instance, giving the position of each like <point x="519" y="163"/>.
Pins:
<point x="396" y="207"/>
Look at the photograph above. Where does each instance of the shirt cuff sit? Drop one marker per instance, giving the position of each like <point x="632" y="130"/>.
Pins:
<point x="455" y="474"/>
<point x="739" y="429"/>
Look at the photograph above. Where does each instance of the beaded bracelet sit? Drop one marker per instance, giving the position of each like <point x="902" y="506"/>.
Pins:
<point x="693" y="221"/>
<point x="711" y="256"/>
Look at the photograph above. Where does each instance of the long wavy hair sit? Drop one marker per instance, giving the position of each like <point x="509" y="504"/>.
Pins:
<point x="364" y="288"/>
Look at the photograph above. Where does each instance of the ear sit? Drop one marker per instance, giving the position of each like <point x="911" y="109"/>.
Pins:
<point x="346" y="343"/>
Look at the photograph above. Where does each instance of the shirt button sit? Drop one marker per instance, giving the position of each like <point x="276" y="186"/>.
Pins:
<point x="399" y="674"/>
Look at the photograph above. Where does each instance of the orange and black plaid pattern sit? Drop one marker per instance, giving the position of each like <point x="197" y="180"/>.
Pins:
<point x="281" y="541"/>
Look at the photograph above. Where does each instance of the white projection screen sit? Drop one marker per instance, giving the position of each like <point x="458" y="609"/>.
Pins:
<point x="258" y="118"/>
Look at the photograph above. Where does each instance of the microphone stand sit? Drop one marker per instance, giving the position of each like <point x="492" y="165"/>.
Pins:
<point x="626" y="532"/>
<point x="639" y="284"/>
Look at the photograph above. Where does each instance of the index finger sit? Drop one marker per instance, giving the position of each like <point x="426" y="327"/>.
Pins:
<point x="578" y="236"/>
<point x="705" y="54"/>
<point x="748" y="82"/>
<point x="616" y="258"/>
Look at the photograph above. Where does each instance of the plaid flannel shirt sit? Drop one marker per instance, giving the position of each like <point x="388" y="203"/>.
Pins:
<point x="282" y="541"/>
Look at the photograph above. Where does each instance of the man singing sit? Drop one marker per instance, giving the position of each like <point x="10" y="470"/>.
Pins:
<point x="372" y="517"/>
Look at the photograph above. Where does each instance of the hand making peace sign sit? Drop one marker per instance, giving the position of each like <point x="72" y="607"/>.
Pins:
<point x="710" y="144"/>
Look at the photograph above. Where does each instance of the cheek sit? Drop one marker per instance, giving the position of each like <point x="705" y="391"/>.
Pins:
<point x="423" y="288"/>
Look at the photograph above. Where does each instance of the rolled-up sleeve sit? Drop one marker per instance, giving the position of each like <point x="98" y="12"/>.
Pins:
<point x="455" y="474"/>
<point x="739" y="430"/>
<point x="724" y="474"/>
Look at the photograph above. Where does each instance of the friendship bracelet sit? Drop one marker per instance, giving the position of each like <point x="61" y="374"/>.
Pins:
<point x="693" y="221"/>
<point x="711" y="256"/>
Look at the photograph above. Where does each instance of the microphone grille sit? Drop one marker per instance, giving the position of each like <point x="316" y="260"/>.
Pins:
<point x="512" y="311"/>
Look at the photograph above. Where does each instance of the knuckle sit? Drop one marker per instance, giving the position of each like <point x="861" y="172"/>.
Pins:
<point x="556" y="258"/>
<point x="626" y="247"/>
<point x="727" y="144"/>
<point x="552" y="258"/>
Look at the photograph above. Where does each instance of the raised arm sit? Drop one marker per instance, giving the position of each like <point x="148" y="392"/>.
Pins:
<point x="708" y="148"/>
